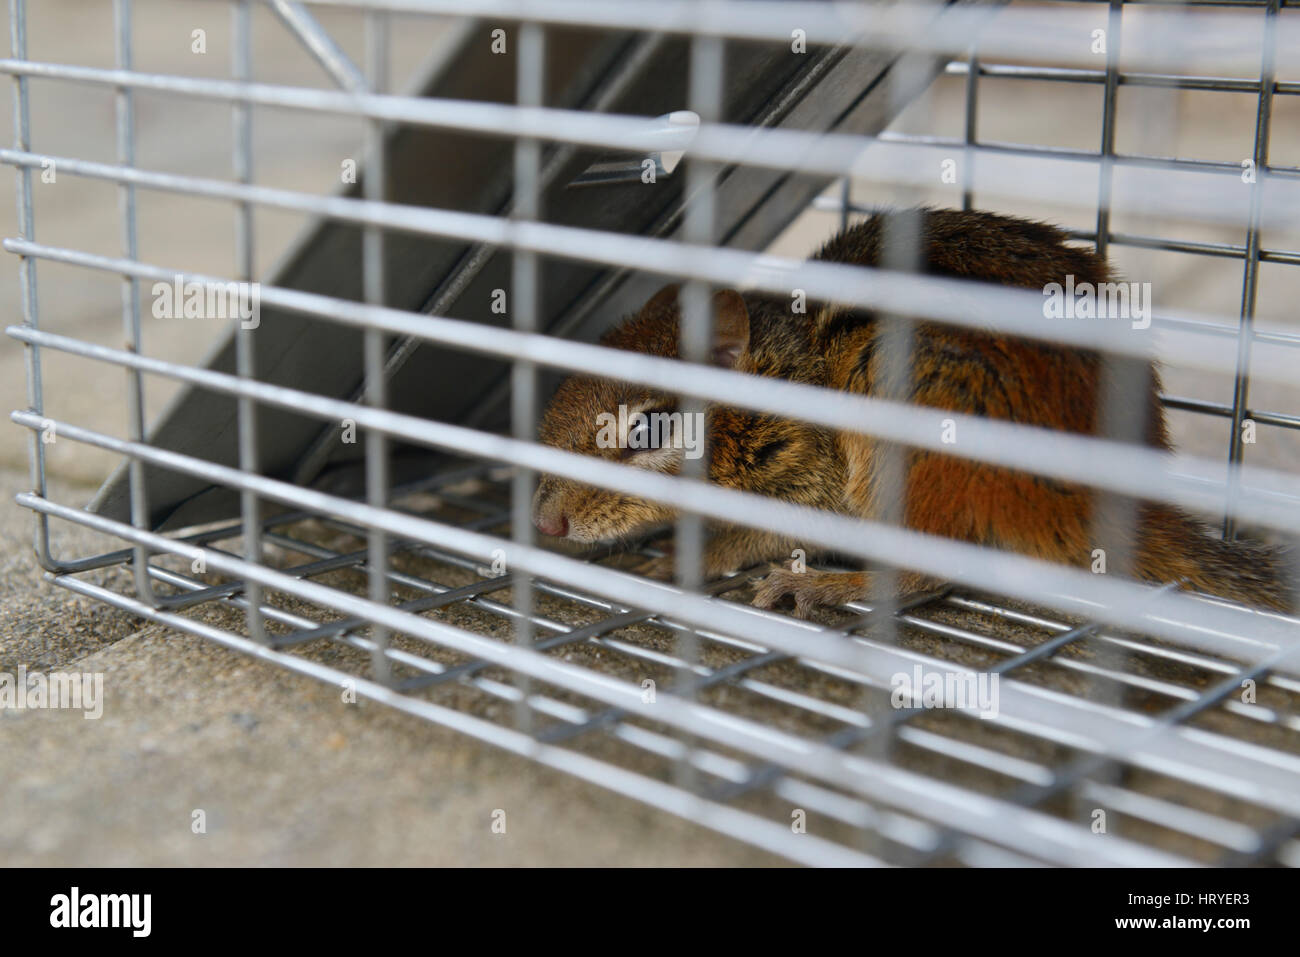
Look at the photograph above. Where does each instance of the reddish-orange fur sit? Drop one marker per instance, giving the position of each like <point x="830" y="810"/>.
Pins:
<point x="1017" y="380"/>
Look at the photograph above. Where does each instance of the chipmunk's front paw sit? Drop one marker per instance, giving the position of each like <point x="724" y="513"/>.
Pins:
<point x="811" y="589"/>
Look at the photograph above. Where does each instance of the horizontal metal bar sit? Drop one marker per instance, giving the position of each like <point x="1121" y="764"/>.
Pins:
<point x="1145" y="473"/>
<point x="1225" y="250"/>
<point x="334" y="563"/>
<point x="890" y="157"/>
<point x="1178" y="81"/>
<point x="983" y="306"/>
<point x="907" y="831"/>
<point x="982" y="816"/>
<point x="1166" y="814"/>
<point x="566" y="634"/>
<point x="752" y="829"/>
<point x="921" y="744"/>
<point x="1189" y="3"/>
<point x="1051" y="33"/>
<point x="1039" y="788"/>
<point x="235" y="528"/>
<point x="1208" y="827"/>
<point x="1175" y="751"/>
<point x="835" y="204"/>
<point x="434" y="591"/>
<point x="1224" y="330"/>
<point x="427" y="603"/>
<point x="1127" y="645"/>
<point x="1219" y="408"/>
<point x="894" y="827"/>
<point x="1121" y="162"/>
<point x="830" y="530"/>
<point x="898" y="828"/>
<point x="1212" y="626"/>
<point x="1026" y="655"/>
<point x="666" y="133"/>
<point x="1086" y="766"/>
<point x="292" y="621"/>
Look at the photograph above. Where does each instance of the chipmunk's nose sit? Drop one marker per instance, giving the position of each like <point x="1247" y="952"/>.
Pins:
<point x="559" y="527"/>
<point x="548" y="516"/>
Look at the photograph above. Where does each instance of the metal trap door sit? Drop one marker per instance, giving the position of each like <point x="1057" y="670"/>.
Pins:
<point x="448" y="169"/>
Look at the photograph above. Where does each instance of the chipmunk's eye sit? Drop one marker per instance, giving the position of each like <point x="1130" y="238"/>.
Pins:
<point x="649" y="431"/>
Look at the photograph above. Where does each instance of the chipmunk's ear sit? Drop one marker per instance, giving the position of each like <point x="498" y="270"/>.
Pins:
<point x="665" y="298"/>
<point x="730" y="321"/>
<point x="730" y="328"/>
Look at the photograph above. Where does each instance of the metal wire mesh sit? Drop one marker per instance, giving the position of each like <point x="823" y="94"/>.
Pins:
<point x="434" y="597"/>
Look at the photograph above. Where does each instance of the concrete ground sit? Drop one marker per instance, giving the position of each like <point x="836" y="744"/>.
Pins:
<point x="286" y="773"/>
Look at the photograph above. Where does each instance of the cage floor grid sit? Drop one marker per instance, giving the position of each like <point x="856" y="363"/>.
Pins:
<point x="1111" y="748"/>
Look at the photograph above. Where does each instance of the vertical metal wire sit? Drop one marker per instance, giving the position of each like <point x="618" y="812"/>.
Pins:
<point x="704" y="97"/>
<point x="1121" y="408"/>
<point x="245" y="361"/>
<point x="375" y="189"/>
<point x="1250" y="278"/>
<point x="1114" y="19"/>
<point x="530" y="79"/>
<point x="27" y="271"/>
<point x="969" y="133"/>
<point x="1117" y="395"/>
<point x="125" y="113"/>
<point x="901" y="250"/>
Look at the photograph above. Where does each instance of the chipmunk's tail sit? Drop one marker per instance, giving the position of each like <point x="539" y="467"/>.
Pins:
<point x="1173" y="546"/>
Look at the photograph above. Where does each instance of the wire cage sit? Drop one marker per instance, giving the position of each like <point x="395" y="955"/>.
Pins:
<point x="344" y="488"/>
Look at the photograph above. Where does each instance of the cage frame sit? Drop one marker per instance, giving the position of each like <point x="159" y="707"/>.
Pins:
<point x="862" y="792"/>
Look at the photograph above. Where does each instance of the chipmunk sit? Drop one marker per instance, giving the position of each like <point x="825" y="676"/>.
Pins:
<point x="960" y="370"/>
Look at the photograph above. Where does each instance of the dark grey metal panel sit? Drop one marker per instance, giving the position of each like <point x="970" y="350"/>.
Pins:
<point x="823" y="89"/>
<point x="427" y="167"/>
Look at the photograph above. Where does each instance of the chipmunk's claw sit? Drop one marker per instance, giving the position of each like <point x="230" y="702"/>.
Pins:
<point x="783" y="583"/>
<point x="810" y="589"/>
